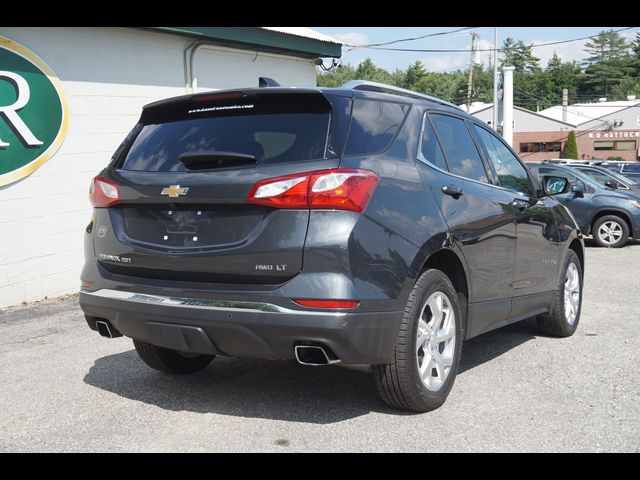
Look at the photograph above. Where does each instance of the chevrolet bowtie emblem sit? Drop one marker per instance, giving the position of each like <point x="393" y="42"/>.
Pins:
<point x="174" y="191"/>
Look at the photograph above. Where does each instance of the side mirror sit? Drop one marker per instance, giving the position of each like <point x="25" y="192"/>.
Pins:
<point x="578" y="189"/>
<point x="555" y="185"/>
<point x="610" y="184"/>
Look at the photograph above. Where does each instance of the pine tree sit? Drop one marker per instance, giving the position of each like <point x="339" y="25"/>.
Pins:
<point x="415" y="73"/>
<point x="519" y="55"/>
<point x="570" y="147"/>
<point x="608" y="61"/>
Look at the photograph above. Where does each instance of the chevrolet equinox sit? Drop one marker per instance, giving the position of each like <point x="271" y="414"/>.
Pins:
<point x="364" y="225"/>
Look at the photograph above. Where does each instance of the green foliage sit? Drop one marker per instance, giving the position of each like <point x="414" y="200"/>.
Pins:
<point x="415" y="73"/>
<point x="519" y="55"/>
<point x="570" y="147"/>
<point x="616" y="159"/>
<point x="608" y="62"/>
<point x="611" y="69"/>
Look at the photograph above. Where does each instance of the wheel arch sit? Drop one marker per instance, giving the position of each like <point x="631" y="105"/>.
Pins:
<point x="577" y="246"/>
<point x="448" y="262"/>
<point x="609" y="211"/>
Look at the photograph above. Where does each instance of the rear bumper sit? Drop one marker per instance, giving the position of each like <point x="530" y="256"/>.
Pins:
<point x="248" y="329"/>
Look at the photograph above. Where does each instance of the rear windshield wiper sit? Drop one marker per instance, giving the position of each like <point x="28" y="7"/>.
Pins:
<point x="210" y="160"/>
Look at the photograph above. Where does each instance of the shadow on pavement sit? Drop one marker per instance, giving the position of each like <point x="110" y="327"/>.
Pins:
<point x="275" y="390"/>
<point x="491" y="345"/>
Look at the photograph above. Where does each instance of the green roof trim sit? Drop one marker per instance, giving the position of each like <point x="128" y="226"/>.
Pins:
<point x="255" y="37"/>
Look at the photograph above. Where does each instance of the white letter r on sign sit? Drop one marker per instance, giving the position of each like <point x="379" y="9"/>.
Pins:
<point x="10" y="111"/>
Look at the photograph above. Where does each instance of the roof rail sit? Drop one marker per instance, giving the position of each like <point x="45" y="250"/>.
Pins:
<point x="381" y="88"/>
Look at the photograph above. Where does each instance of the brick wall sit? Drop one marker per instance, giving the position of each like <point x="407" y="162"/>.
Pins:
<point x="585" y="144"/>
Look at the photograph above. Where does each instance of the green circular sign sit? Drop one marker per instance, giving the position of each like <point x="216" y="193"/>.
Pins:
<point x="33" y="112"/>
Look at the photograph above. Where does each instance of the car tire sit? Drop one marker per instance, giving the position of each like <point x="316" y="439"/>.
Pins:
<point x="400" y="382"/>
<point x="170" y="361"/>
<point x="610" y="231"/>
<point x="564" y="317"/>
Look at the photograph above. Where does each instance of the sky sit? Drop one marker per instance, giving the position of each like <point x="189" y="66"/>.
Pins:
<point x="444" y="62"/>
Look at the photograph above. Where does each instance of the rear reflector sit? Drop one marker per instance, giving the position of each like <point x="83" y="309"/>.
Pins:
<point x="103" y="192"/>
<point x="347" y="304"/>
<point x="337" y="189"/>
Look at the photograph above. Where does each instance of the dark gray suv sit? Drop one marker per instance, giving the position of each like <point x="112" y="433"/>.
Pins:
<point x="363" y="225"/>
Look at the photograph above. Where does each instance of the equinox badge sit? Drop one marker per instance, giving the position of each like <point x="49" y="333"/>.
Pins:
<point x="174" y="191"/>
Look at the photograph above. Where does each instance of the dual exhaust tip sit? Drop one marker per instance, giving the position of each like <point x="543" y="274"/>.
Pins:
<point x="315" y="355"/>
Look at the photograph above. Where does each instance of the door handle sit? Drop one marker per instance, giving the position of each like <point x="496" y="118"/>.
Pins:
<point x="520" y="204"/>
<point x="453" y="190"/>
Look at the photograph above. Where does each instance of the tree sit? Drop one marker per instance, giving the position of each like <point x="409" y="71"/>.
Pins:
<point x="570" y="147"/>
<point x="607" y="63"/>
<point x="415" y="73"/>
<point x="629" y="85"/>
<point x="562" y="75"/>
<point x="606" y="46"/>
<point x="519" y="55"/>
<point x="336" y="77"/>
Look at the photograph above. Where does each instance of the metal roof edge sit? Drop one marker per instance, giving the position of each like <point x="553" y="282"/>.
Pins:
<point x="258" y="38"/>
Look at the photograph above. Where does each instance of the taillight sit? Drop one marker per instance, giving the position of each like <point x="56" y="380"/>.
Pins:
<point x="346" y="304"/>
<point x="103" y="192"/>
<point x="337" y="189"/>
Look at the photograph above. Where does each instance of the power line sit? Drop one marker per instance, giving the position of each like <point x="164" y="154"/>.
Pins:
<point x="463" y="50"/>
<point x="410" y="39"/>
<point x="537" y="98"/>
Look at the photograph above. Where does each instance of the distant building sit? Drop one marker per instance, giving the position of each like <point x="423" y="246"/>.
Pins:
<point x="603" y="129"/>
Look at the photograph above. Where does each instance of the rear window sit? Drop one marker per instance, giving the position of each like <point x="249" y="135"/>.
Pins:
<point x="374" y="125"/>
<point x="270" y="133"/>
<point x="631" y="168"/>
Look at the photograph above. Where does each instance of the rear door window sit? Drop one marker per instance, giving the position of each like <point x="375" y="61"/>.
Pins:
<point x="374" y="125"/>
<point x="270" y="133"/>
<point x="459" y="148"/>
<point x="511" y="173"/>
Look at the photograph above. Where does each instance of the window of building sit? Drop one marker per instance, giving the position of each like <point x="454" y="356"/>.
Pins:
<point x="619" y="145"/>
<point x="603" y="145"/>
<point x="626" y="145"/>
<point x="459" y="148"/>
<point x="532" y="147"/>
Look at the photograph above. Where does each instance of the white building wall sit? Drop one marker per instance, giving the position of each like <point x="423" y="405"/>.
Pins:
<point x="108" y="74"/>
<point x="525" y="121"/>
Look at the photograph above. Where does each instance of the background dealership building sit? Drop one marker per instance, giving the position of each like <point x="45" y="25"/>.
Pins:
<point x="603" y="129"/>
<point x="83" y="90"/>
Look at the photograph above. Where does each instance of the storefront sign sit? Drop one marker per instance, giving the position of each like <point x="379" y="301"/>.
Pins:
<point x="33" y="112"/>
<point x="610" y="135"/>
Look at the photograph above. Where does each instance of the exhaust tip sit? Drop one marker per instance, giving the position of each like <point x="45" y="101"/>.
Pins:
<point x="106" y="329"/>
<point x="314" y="355"/>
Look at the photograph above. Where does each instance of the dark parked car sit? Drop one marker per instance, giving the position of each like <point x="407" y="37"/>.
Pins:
<point x="611" y="215"/>
<point x="628" y="169"/>
<point x="609" y="178"/>
<point x="362" y="225"/>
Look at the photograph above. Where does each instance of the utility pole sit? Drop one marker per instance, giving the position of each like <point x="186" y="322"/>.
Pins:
<point x="474" y="35"/>
<point x="565" y="103"/>
<point x="495" y="79"/>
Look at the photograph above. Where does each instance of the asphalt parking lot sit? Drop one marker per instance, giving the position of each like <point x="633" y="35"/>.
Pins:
<point x="64" y="388"/>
